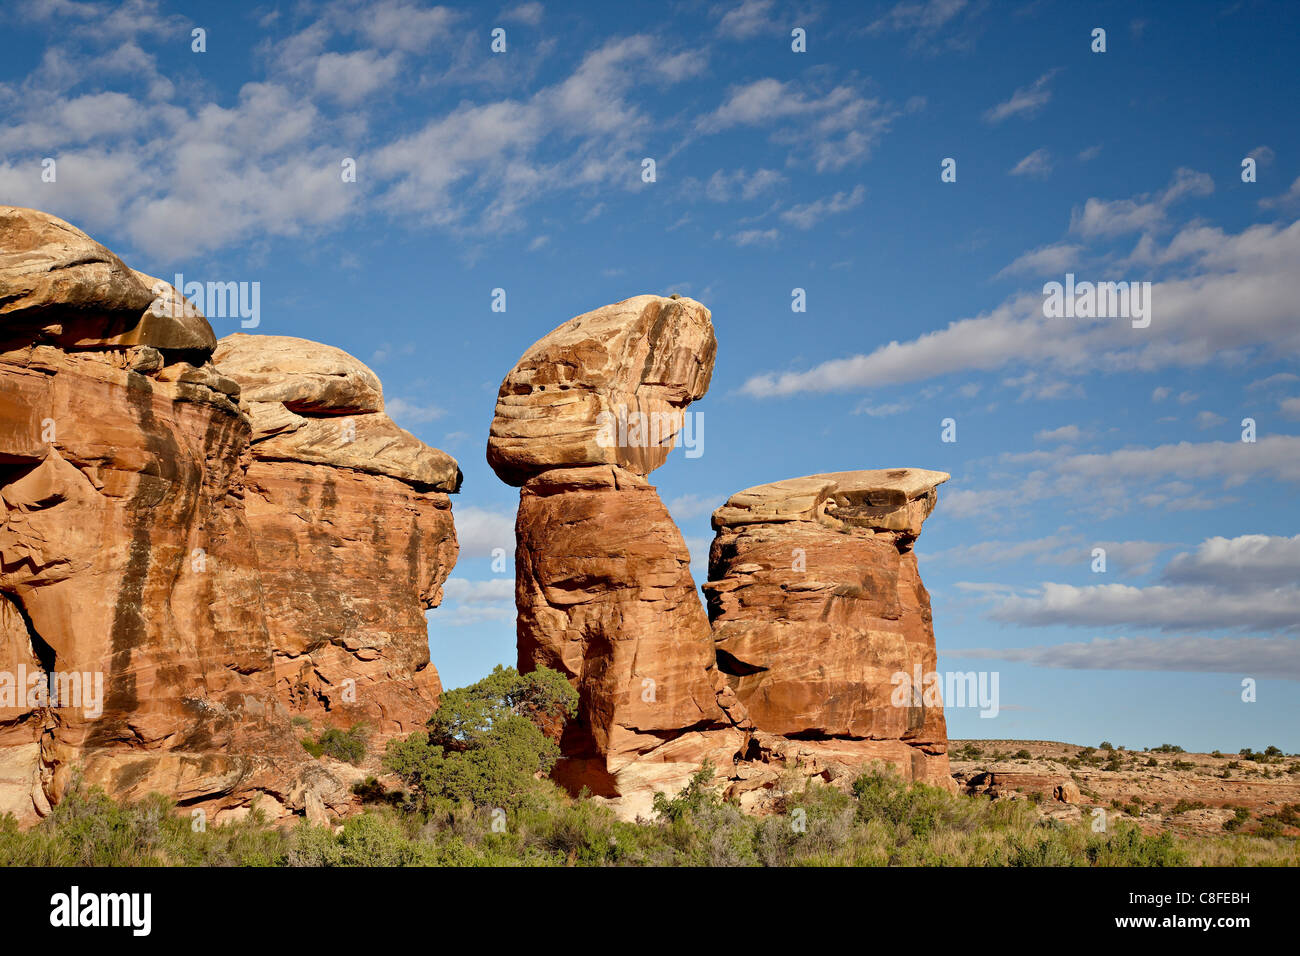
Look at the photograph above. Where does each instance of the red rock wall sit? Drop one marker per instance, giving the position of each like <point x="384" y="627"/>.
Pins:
<point x="193" y="553"/>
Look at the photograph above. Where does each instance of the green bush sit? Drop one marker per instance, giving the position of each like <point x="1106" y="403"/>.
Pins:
<point x="346" y="745"/>
<point x="485" y="745"/>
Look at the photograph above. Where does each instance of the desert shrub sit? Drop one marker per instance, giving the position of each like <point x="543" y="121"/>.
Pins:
<point x="485" y="744"/>
<point x="1240" y="816"/>
<point x="346" y="745"/>
<point x="1129" y="846"/>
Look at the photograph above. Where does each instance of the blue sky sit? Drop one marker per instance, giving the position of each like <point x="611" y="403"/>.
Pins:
<point x="778" y="170"/>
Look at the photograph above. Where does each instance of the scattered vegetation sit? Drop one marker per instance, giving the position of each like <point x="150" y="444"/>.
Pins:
<point x="474" y="794"/>
<point x="346" y="745"/>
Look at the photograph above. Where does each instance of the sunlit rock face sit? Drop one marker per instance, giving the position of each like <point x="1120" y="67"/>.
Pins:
<point x="190" y="567"/>
<point x="351" y="523"/>
<point x="603" y="584"/>
<point x="817" y="608"/>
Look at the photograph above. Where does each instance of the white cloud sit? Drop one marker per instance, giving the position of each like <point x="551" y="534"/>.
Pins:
<point x="1231" y="299"/>
<point x="881" y="411"/>
<point x="924" y="20"/>
<point x="1208" y="419"/>
<point x="1247" y="561"/>
<point x="1056" y="259"/>
<point x="831" y="130"/>
<point x="1277" y="657"/>
<point x="394" y="24"/>
<point x="1168" y="608"/>
<point x="1025" y="101"/>
<point x="725" y="186"/>
<point x="1065" y="548"/>
<point x="1103" y="217"/>
<point x="1249" y="582"/>
<point x="753" y="237"/>
<point x="491" y="591"/>
<point x="181" y="177"/>
<point x="528" y="13"/>
<point x="351" y="78"/>
<point x="1037" y="164"/>
<point x="746" y="21"/>
<point x="807" y="215"/>
<point x="686" y="507"/>
<point x="1066" y="433"/>
<point x="1289" y="198"/>
<point x="402" y="410"/>
<point x="481" y="531"/>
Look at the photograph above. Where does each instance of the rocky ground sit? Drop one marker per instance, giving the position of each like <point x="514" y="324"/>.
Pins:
<point x="1162" y="789"/>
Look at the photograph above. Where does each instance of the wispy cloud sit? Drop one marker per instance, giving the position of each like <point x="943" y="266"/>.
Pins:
<point x="1025" y="101"/>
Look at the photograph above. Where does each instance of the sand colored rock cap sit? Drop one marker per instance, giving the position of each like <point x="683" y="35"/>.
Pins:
<point x="59" y="285"/>
<point x="607" y="387"/>
<point x="303" y="376"/>
<point x="887" y="499"/>
<point x="315" y="403"/>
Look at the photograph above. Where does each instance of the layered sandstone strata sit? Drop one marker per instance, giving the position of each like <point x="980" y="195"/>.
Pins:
<point x="125" y="558"/>
<point x="821" y="623"/>
<point x="351" y="524"/>
<point x="603" y="584"/>
<point x="128" y="559"/>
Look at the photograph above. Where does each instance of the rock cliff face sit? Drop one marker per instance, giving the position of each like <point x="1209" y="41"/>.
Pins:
<point x="821" y="622"/>
<point x="133" y="544"/>
<point x="603" y="584"/>
<point x="351" y="524"/>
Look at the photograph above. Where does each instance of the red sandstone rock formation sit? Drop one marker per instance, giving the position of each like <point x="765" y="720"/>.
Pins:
<point x="126" y="550"/>
<point x="817" y="607"/>
<point x="603" y="583"/>
<point x="351" y="523"/>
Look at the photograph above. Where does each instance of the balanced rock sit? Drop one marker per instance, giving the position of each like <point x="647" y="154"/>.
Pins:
<point x="819" y="615"/>
<point x="606" y="388"/>
<point x="602" y="575"/>
<point x="352" y="527"/>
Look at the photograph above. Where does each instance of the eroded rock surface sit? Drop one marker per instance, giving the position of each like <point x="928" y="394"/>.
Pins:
<point x="817" y="607"/>
<point x="637" y="363"/>
<point x="143" y="547"/>
<point x="603" y="584"/>
<point x="124" y="553"/>
<point x="352" y="526"/>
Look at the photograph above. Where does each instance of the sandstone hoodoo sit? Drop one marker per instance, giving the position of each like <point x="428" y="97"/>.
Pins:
<point x="815" y="597"/>
<point x="145" y="546"/>
<point x="352" y="528"/>
<point x="603" y="585"/>
<point x="820" y="618"/>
